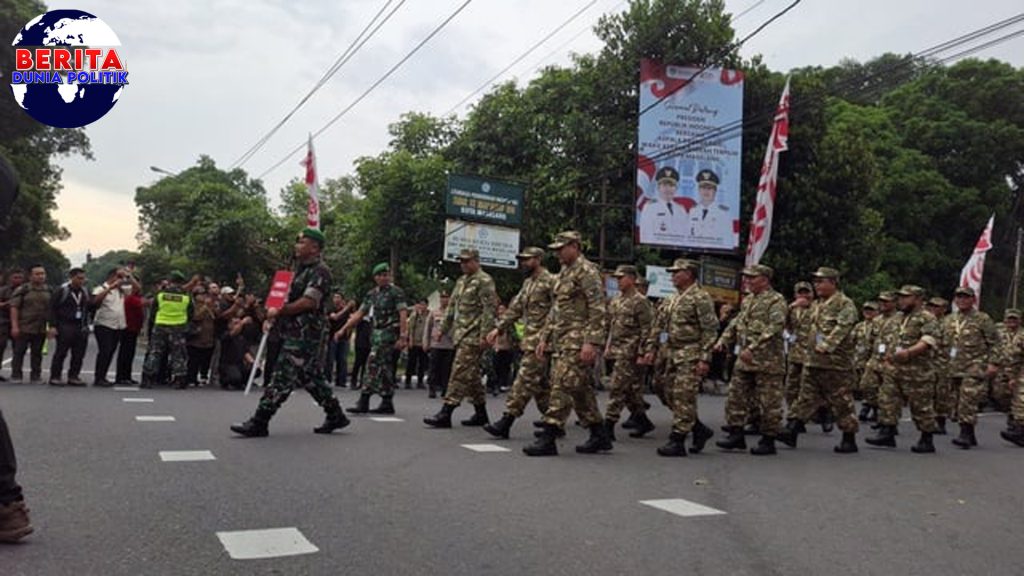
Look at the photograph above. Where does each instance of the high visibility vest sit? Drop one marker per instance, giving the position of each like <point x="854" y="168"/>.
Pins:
<point x="172" y="309"/>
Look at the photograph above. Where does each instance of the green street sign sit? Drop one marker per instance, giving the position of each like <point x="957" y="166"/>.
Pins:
<point x="484" y="200"/>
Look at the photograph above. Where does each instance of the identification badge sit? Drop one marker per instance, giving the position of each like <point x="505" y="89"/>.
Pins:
<point x="663" y="337"/>
<point x="78" y="314"/>
<point x="736" y="350"/>
<point x="881" y="348"/>
<point x="788" y="336"/>
<point x="952" y="352"/>
<point x="819" y="338"/>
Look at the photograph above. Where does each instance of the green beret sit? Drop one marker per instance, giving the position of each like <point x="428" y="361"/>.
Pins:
<point x="382" y="267"/>
<point x="314" y="234"/>
<point x="176" y="276"/>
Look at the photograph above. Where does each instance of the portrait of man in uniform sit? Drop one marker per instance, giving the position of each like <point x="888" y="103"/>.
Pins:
<point x="710" y="222"/>
<point x="664" y="219"/>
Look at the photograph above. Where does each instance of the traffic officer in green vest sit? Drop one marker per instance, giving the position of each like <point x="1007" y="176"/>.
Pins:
<point x="170" y="316"/>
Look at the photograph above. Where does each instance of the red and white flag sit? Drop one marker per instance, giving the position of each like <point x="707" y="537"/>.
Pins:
<point x="761" y="220"/>
<point x="313" y="209"/>
<point x="972" y="272"/>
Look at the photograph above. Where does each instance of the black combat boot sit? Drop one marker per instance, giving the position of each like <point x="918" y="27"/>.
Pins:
<point x="789" y="434"/>
<point x="559" y="432"/>
<point x="255" y="427"/>
<point x="335" y="419"/>
<point x="924" y="445"/>
<point x="443" y="418"/>
<point x="362" y="405"/>
<point x="966" y="439"/>
<point x="874" y="414"/>
<point x="545" y="443"/>
<point x="479" y="417"/>
<point x="701" y="435"/>
<point x="643" y="426"/>
<point x="865" y="413"/>
<point x="1014" y="435"/>
<point x="751" y="429"/>
<point x="501" y="428"/>
<point x="886" y="437"/>
<point x="827" y="421"/>
<point x="848" y="445"/>
<point x="598" y="441"/>
<point x="630" y="422"/>
<point x="676" y="445"/>
<point x="387" y="406"/>
<point x="940" y="421"/>
<point x="736" y="440"/>
<point x="765" y="447"/>
<point x="610" y="426"/>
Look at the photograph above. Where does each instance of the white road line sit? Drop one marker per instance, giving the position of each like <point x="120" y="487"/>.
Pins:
<point x="271" y="543"/>
<point x="681" y="507"/>
<point x="186" y="455"/>
<point x="485" y="448"/>
<point x="154" y="418"/>
<point x="126" y="388"/>
<point x="386" y="419"/>
<point x="136" y="399"/>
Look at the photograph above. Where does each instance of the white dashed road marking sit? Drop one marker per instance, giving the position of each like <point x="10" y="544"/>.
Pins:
<point x="186" y="455"/>
<point x="126" y="388"/>
<point x="386" y="419"/>
<point x="271" y="543"/>
<point x="681" y="507"/>
<point x="143" y="400"/>
<point x="154" y="418"/>
<point x="485" y="448"/>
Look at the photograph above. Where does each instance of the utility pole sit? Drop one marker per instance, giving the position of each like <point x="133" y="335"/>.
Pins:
<point x="1015" y="283"/>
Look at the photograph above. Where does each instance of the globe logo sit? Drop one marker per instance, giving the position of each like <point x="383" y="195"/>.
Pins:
<point x="67" y="74"/>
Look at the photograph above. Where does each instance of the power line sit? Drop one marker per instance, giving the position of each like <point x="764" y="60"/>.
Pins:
<point x="571" y="39"/>
<point x="748" y="10"/>
<point x="364" y="36"/>
<point x="519" y="59"/>
<point x="372" y="87"/>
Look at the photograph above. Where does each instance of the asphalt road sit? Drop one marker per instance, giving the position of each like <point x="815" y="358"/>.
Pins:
<point x="397" y="498"/>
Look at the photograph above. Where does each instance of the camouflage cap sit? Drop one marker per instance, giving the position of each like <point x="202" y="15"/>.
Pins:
<point x="469" y="254"/>
<point x="803" y="286"/>
<point x="887" y="296"/>
<point x="965" y="291"/>
<point x="563" y="238"/>
<point x="826" y="272"/>
<point x="531" y="252"/>
<point x="870" y="306"/>
<point x="625" y="270"/>
<point x="937" y="302"/>
<point x="683" y="264"/>
<point x="1011" y="313"/>
<point x="910" y="290"/>
<point x="758" y="270"/>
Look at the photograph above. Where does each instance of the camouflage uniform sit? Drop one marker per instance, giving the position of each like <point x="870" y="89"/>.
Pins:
<point x="876" y="371"/>
<point x="1016" y="355"/>
<point x="660" y="376"/>
<point x="685" y="330"/>
<point x="304" y="343"/>
<point x="630" y="318"/>
<point x="758" y="328"/>
<point x="972" y="341"/>
<point x="470" y="316"/>
<point x="828" y="375"/>
<point x="531" y="305"/>
<point x="943" y="398"/>
<point x="799" y="325"/>
<point x="577" y="318"/>
<point x="1003" y="384"/>
<point x="863" y="336"/>
<point x="913" y="380"/>
<point x="167" y="344"/>
<point x="382" y="305"/>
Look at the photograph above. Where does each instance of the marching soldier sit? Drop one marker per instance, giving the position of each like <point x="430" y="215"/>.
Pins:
<point x="685" y="329"/>
<point x="1015" y="426"/>
<point x="972" y="342"/>
<point x="1003" y="384"/>
<point x="910" y="353"/>
<point x="828" y="373"/>
<point x="863" y="334"/>
<point x="756" y="335"/>
<point x="575" y="330"/>
<point x="630" y="317"/>
<point x="798" y="329"/>
<point x="469" y="318"/>
<point x="304" y="332"/>
<point x="943" y="393"/>
<point x="531" y="306"/>
<point x="875" y="368"/>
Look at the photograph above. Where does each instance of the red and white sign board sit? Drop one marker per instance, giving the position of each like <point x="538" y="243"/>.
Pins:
<point x="278" y="295"/>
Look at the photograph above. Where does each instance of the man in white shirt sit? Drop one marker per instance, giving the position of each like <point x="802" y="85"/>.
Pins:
<point x="663" y="221"/>
<point x="711" y="223"/>
<point x="109" y="323"/>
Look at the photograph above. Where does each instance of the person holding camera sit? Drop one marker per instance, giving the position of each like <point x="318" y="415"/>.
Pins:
<point x="110" y="321"/>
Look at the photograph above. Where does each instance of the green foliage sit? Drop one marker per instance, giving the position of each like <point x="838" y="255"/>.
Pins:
<point x="96" y="269"/>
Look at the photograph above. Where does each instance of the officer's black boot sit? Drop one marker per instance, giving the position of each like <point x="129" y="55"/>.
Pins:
<point x="966" y="439"/>
<point x="924" y="445"/>
<point x="676" y="445"/>
<point x="1014" y="435"/>
<point x="827" y="421"/>
<point x="865" y="413"/>
<point x="443" y="419"/>
<point x="479" y="417"/>
<point x="886" y="437"/>
<point x="643" y="426"/>
<point x="501" y="428"/>
<point x="545" y="443"/>
<point x="610" y="425"/>
<point x="256" y="426"/>
<point x="559" y="432"/>
<point x="941" y="422"/>
<point x="335" y="419"/>
<point x="362" y="405"/>
<point x="736" y="440"/>
<point x="765" y="447"/>
<point x="751" y="429"/>
<point x="701" y="435"/>
<point x="387" y="406"/>
<point x="598" y="441"/>
<point x="848" y="445"/>
<point x="630" y="422"/>
<point x="789" y="434"/>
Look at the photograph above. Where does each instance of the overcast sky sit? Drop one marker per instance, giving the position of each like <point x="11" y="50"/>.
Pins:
<point x="210" y="77"/>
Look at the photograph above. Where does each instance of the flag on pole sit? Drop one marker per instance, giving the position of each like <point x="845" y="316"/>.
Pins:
<point x="972" y="272"/>
<point x="313" y="210"/>
<point x="761" y="219"/>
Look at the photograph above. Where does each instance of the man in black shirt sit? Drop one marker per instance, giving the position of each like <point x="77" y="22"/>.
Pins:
<point x="69" y="306"/>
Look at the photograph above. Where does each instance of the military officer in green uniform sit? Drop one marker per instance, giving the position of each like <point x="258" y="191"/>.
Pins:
<point x="1002" y="385"/>
<point x="531" y="307"/>
<point x="943" y="401"/>
<point x="303" y="326"/>
<point x="630" y="315"/>
<point x="387" y="309"/>
<point x="973" y="344"/>
<point x="755" y="336"/>
<point x="171" y="315"/>
<point x="468" y="320"/>
<point x="875" y="369"/>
